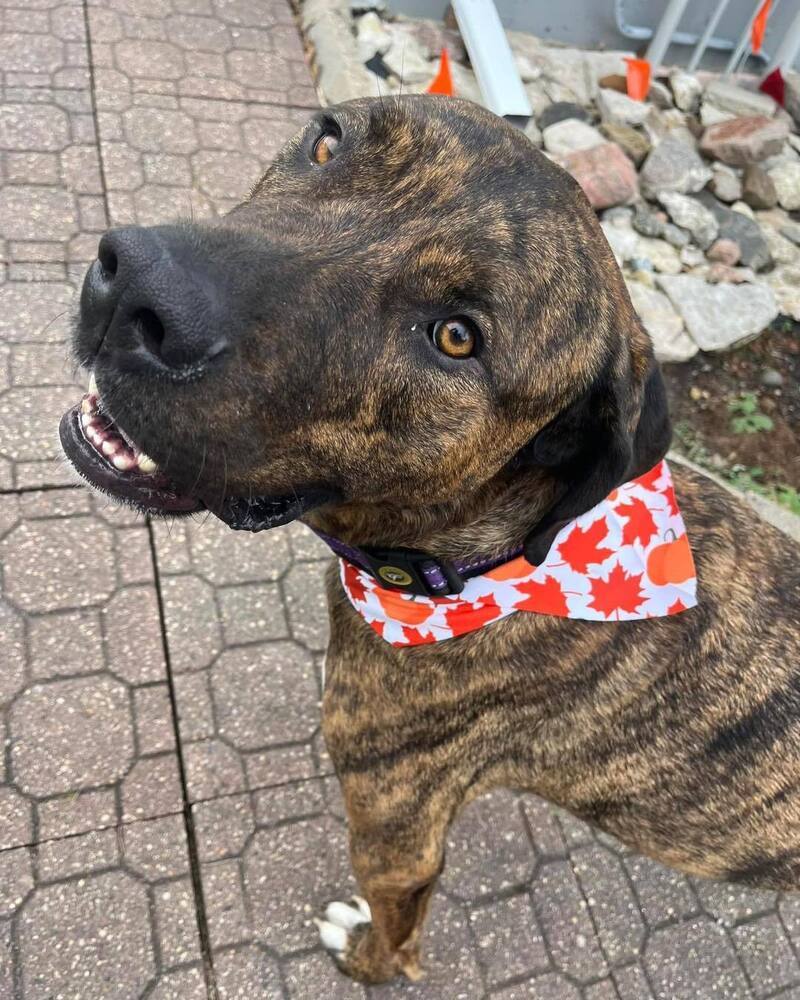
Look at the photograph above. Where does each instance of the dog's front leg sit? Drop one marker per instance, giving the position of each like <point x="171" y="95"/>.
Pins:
<point x="377" y="936"/>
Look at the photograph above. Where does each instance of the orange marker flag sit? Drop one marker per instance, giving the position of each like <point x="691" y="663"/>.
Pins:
<point x="760" y="26"/>
<point x="638" y="78"/>
<point x="442" y="83"/>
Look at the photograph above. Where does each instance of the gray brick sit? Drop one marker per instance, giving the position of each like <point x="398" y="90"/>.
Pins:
<point x="767" y="955"/>
<point x="615" y="910"/>
<point x="247" y="972"/>
<point x="509" y="940"/>
<point x="693" y="960"/>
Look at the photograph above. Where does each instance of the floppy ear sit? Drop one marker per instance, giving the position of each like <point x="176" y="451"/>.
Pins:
<point x="617" y="430"/>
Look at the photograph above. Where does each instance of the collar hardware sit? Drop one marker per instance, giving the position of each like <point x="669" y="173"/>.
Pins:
<point x="412" y="572"/>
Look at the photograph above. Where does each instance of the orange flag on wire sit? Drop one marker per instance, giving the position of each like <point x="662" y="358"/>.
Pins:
<point x="760" y="26"/>
<point x="442" y="83"/>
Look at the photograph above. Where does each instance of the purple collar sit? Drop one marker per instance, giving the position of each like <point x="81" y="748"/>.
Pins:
<point x="414" y="572"/>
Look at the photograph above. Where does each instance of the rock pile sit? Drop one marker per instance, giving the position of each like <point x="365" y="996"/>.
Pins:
<point x="697" y="187"/>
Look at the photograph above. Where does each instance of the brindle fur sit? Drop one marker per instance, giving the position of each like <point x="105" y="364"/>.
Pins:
<point x="681" y="735"/>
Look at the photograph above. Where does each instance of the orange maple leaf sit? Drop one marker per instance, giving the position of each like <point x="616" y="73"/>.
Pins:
<point x="672" y="502"/>
<point x="469" y="617"/>
<point x="546" y="597"/>
<point x="620" y="592"/>
<point x="649" y="479"/>
<point x="676" y="608"/>
<point x="640" y="524"/>
<point x="353" y="582"/>
<point x="581" y="547"/>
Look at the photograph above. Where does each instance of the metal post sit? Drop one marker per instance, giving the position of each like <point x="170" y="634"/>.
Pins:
<point x="702" y="45"/>
<point x="663" y="36"/>
<point x="787" y="51"/>
<point x="492" y="58"/>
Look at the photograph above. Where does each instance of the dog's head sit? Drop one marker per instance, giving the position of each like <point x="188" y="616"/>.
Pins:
<point x="412" y="303"/>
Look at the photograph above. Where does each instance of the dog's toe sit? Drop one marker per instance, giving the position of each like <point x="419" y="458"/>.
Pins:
<point x="340" y="920"/>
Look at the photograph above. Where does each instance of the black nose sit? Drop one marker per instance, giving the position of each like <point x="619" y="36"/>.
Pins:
<point x="150" y="301"/>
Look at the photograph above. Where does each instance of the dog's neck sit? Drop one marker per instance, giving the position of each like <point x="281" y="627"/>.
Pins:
<point x="494" y="519"/>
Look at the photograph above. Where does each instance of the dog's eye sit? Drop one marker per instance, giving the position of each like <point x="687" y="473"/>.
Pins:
<point x="454" y="337"/>
<point x="325" y="148"/>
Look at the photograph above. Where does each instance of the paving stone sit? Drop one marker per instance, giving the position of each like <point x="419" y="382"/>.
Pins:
<point x="151" y="788"/>
<point x="193" y="632"/>
<point x="767" y="955"/>
<point x="632" y="984"/>
<point x="265" y="694"/>
<point x="614" y="908"/>
<point x="564" y="918"/>
<point x="252" y="612"/>
<point x="550" y="986"/>
<point x="484" y="856"/>
<point x="176" y="921"/>
<point x="663" y="894"/>
<point x="509" y="940"/>
<point x="69" y="856"/>
<point x="693" y="960"/>
<point x="306" y="602"/>
<point x="70" y="734"/>
<point x="730" y="903"/>
<point x="247" y="972"/>
<point x="223" y="826"/>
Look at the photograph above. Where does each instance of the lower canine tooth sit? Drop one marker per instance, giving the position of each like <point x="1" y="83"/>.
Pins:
<point x="93" y="386"/>
<point x="146" y="464"/>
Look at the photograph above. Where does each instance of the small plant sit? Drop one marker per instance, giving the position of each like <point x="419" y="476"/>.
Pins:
<point x="748" y="480"/>
<point x="747" y="416"/>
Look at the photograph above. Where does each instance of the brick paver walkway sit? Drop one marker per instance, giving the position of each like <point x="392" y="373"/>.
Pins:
<point x="135" y="864"/>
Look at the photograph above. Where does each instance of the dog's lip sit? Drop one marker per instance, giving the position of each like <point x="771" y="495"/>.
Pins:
<point x="150" y="492"/>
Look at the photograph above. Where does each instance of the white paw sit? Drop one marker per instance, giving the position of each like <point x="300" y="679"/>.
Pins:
<point x="340" y="920"/>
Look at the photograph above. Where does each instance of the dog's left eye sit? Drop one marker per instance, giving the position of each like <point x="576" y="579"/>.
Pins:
<point x="454" y="337"/>
<point x="325" y="148"/>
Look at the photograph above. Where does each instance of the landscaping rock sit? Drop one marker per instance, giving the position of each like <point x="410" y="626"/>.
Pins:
<point x="738" y="101"/>
<point x="791" y="82"/>
<point x="635" y="144"/>
<point x="673" y="166"/>
<point x="560" y="111"/>
<point x="341" y="75"/>
<point x="786" y="178"/>
<point x="784" y="282"/>
<point x="464" y="82"/>
<point x="692" y="256"/>
<point x="686" y="89"/>
<point x="744" y="140"/>
<point x="432" y="37"/>
<point x="758" y="188"/>
<point x="725" y="252"/>
<point x="720" y="316"/>
<point x="665" y="327"/>
<point x="718" y="272"/>
<point x="690" y="214"/>
<point x="569" y="136"/>
<point x="614" y="81"/>
<point x="660" y="95"/>
<point x="771" y="378"/>
<point x="744" y="231"/>
<point x="646" y="222"/>
<point x="407" y="58"/>
<point x="605" y="173"/>
<point x="662" y="257"/>
<point x="710" y="114"/>
<point x="791" y="230"/>
<point x="725" y="183"/>
<point x="781" y="250"/>
<point x="533" y="133"/>
<point x="621" y="109"/>
<point x="372" y="36"/>
<point x="622" y="239"/>
<point x="743" y="209"/>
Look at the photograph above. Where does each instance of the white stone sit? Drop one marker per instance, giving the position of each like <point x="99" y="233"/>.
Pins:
<point x="781" y="250"/>
<point x="725" y="183"/>
<point x="686" y="89"/>
<point x="341" y="75"/>
<point x="622" y="239"/>
<point x="743" y="209"/>
<point x="662" y="255"/>
<point x="739" y="102"/>
<point x="692" y="256"/>
<point x="786" y="178"/>
<point x="671" y="342"/>
<point x="570" y="135"/>
<point x="720" y="316"/>
<point x="372" y="36"/>
<point x="621" y="109"/>
<point x="710" y="114"/>
<point x="465" y="83"/>
<point x="688" y="213"/>
<point x="408" y="60"/>
<point x="785" y="283"/>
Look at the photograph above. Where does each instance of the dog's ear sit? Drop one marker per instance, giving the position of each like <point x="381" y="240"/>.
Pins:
<point x="616" y="430"/>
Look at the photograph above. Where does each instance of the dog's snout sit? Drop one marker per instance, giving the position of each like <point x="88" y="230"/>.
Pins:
<point x="148" y="301"/>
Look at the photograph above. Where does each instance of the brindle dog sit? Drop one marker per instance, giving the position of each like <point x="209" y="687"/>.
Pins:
<point x="286" y="353"/>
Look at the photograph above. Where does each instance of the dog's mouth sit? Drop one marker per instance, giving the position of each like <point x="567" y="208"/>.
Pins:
<point x="109" y="460"/>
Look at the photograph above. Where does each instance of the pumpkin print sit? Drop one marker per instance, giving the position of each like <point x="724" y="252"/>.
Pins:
<point x="671" y="562"/>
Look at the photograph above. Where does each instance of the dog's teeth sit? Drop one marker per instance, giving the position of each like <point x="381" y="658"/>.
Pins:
<point x="123" y="462"/>
<point x="363" y="906"/>
<point x="344" y="915"/>
<point x="109" y="446"/>
<point x="86" y="419"/>
<point x="86" y="407"/>
<point x="93" y="385"/>
<point x="333" y="938"/>
<point x="146" y="464"/>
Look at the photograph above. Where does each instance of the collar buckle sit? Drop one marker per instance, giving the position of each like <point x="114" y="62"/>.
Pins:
<point x="411" y="572"/>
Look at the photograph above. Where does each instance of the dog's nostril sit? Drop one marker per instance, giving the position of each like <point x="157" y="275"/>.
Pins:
<point x="151" y="329"/>
<point x="108" y="260"/>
